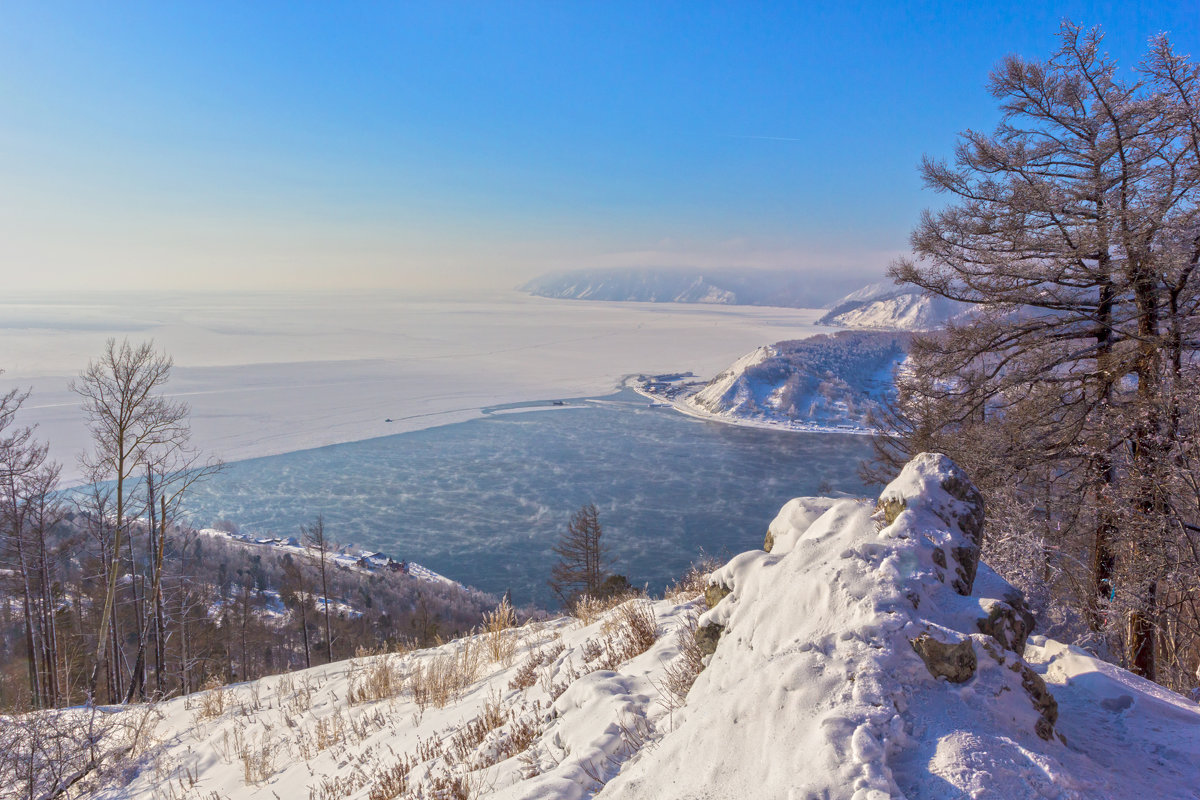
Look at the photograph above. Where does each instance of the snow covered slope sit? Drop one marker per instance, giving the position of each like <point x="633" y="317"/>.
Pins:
<point x="830" y="380"/>
<point x="885" y="306"/>
<point x="663" y="285"/>
<point x="823" y="683"/>
<point x="867" y="655"/>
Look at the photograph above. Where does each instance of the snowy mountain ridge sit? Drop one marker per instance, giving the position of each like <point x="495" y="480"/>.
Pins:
<point x="754" y="287"/>
<point x="863" y="654"/>
<point x="834" y="381"/>
<point x="886" y="306"/>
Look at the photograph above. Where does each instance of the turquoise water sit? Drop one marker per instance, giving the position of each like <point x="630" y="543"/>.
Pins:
<point x="483" y="501"/>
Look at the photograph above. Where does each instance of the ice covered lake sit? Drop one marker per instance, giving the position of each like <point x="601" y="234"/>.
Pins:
<point x="270" y="373"/>
<point x="483" y="501"/>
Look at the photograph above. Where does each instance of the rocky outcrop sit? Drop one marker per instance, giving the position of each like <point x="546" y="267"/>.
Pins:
<point x="1008" y="621"/>
<point x="936" y="500"/>
<point x="954" y="662"/>
<point x="715" y="593"/>
<point x="909" y="561"/>
<point x="708" y="636"/>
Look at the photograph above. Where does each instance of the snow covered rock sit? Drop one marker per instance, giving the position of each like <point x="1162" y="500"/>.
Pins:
<point x="849" y="662"/>
<point x="934" y="498"/>
<point x="794" y="519"/>
<point x="954" y="662"/>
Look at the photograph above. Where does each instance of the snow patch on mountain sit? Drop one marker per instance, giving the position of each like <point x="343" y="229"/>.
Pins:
<point x="830" y="380"/>
<point x="885" y="306"/>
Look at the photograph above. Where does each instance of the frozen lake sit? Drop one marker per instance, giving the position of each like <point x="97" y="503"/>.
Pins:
<point x="300" y="383"/>
<point x="483" y="501"/>
<point x="272" y="373"/>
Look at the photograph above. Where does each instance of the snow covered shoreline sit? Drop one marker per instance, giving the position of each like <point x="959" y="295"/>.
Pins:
<point x="791" y="426"/>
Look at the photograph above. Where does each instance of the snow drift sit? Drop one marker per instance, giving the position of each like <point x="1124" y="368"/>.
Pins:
<point x="865" y="654"/>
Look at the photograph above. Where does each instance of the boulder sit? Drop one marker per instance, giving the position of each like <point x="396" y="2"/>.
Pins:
<point x="1008" y="621"/>
<point x="715" y="593"/>
<point x="707" y="637"/>
<point x="954" y="662"/>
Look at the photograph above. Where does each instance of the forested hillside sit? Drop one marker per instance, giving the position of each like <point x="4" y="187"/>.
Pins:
<point x="228" y="611"/>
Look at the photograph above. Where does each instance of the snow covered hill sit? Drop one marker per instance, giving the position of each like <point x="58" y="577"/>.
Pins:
<point x="754" y="287"/>
<point x="832" y="381"/>
<point x="886" y="306"/>
<point x="864" y="654"/>
<point x="347" y="558"/>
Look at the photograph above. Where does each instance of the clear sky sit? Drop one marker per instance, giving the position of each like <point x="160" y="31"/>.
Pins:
<point x="257" y="145"/>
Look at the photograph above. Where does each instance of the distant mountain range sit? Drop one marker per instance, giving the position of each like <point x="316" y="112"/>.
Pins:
<point x="886" y="306"/>
<point x="747" y="287"/>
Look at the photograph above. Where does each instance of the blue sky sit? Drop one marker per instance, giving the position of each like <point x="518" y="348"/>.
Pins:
<point x="425" y="146"/>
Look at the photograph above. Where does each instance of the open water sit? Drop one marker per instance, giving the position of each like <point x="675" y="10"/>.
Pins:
<point x="484" y="501"/>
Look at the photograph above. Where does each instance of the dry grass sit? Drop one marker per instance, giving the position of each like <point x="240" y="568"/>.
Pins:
<point x="392" y="782"/>
<point x="379" y="678"/>
<point x="214" y="699"/>
<point x="524" y="730"/>
<point x="499" y="638"/>
<point x="442" y="678"/>
<point x="694" y="581"/>
<point x="471" y="735"/>
<point x="681" y="672"/>
<point x="446" y="786"/>
<point x="629" y="632"/>
<point x="257" y="757"/>
<point x="298" y="700"/>
<point x="587" y="609"/>
<point x="527" y="674"/>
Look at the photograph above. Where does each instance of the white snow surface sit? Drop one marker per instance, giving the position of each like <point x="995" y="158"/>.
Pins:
<point x="813" y="691"/>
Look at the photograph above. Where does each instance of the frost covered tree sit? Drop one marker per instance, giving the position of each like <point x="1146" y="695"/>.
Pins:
<point x="1074" y="232"/>
<point x="583" y="560"/>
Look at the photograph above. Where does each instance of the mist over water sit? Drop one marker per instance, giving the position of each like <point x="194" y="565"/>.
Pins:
<point x="484" y="501"/>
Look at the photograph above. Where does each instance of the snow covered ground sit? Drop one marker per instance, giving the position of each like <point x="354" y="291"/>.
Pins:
<point x="864" y="656"/>
<point x="269" y="374"/>
<point x="350" y="558"/>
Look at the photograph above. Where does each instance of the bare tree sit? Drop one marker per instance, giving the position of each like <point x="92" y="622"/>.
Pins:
<point x="295" y="592"/>
<point x="128" y="418"/>
<point x="583" y="560"/>
<point x="314" y="537"/>
<point x="27" y="511"/>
